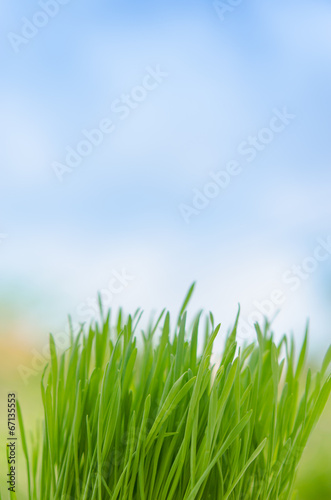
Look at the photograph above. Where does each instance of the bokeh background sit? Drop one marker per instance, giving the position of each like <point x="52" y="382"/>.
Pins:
<point x="226" y="67"/>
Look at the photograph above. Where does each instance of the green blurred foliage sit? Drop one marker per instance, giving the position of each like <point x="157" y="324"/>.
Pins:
<point x="314" y="475"/>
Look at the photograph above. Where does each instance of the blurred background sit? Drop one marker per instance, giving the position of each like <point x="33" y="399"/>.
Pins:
<point x="146" y="145"/>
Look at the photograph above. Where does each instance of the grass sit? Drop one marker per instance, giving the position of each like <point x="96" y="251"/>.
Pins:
<point x="314" y="478"/>
<point x="148" y="417"/>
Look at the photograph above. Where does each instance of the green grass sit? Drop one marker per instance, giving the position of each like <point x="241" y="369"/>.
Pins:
<point x="314" y="478"/>
<point x="144" y="415"/>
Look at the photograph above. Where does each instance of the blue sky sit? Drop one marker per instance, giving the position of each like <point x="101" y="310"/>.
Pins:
<point x="119" y="208"/>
